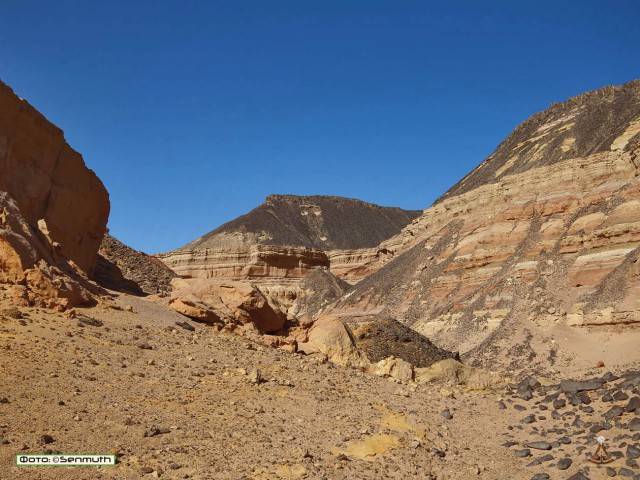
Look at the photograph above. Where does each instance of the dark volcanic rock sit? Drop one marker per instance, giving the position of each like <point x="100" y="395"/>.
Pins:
<point x="573" y="386"/>
<point x="539" y="445"/>
<point x="633" y="405"/>
<point x="385" y="338"/>
<point x="564" y="463"/>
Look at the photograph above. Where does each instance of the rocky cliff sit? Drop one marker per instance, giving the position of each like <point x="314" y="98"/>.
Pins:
<point x="288" y="236"/>
<point x="543" y="234"/>
<point x="53" y="209"/>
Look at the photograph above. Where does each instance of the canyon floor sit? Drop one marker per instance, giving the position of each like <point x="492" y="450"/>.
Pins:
<point x="191" y="403"/>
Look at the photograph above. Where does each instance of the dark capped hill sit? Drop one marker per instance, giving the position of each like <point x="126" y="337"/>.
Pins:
<point x="318" y="221"/>
<point x="578" y="127"/>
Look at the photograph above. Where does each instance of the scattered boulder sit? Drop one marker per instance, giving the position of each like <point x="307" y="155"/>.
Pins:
<point x="330" y="336"/>
<point x="573" y="386"/>
<point x="453" y="372"/>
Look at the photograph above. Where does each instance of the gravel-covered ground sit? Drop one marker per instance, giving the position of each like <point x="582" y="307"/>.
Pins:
<point x="178" y="403"/>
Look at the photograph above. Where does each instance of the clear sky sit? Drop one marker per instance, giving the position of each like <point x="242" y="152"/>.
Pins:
<point x="192" y="112"/>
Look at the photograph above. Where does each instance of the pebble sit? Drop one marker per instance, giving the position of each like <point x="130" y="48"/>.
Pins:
<point x="46" y="439"/>
<point x="446" y="414"/>
<point x="634" y="404"/>
<point x="539" y="445"/>
<point x="564" y="463"/>
<point x="541" y="476"/>
<point x="523" y="453"/>
<point x="528" y="419"/>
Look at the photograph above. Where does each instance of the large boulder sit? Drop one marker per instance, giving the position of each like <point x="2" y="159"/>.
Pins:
<point x="451" y="371"/>
<point x="331" y="337"/>
<point x="212" y="301"/>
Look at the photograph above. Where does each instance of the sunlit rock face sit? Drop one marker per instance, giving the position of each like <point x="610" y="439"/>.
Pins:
<point x="53" y="210"/>
<point x="546" y="230"/>
<point x="49" y="181"/>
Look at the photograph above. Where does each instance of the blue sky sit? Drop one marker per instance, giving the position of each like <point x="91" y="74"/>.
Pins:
<point x="192" y="112"/>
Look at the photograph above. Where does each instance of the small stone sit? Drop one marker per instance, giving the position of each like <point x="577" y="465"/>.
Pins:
<point x="614" y="411"/>
<point x="564" y="440"/>
<point x="539" y="445"/>
<point x="634" y="425"/>
<point x="528" y="419"/>
<point x="437" y="452"/>
<point x="90" y="321"/>
<point x="620" y="396"/>
<point x="611" y="472"/>
<point x="625" y="472"/>
<point x="564" y="463"/>
<point x="446" y="414"/>
<point x="634" y="404"/>
<point x="520" y="408"/>
<point x="186" y="326"/>
<point x="523" y="453"/>
<point x="46" y="439"/>
<point x="255" y="377"/>
<point x="144" y="346"/>
<point x="541" y="476"/>
<point x="501" y="405"/>
<point x="146" y="470"/>
<point x="632" y="452"/>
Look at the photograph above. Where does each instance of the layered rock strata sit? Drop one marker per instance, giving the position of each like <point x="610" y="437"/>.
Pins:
<point x="546" y="230"/>
<point x="287" y="237"/>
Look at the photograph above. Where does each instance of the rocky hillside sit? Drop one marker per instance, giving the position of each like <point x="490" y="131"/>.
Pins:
<point x="318" y="222"/>
<point x="289" y="236"/>
<point x="541" y="236"/>
<point x="53" y="210"/>
<point x="139" y="271"/>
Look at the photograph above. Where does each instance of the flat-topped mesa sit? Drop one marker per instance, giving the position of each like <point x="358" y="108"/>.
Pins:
<point x="53" y="209"/>
<point x="289" y="236"/>
<point x="545" y="231"/>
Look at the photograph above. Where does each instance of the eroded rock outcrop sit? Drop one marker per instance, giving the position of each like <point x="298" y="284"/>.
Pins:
<point x="49" y="181"/>
<point x="546" y="231"/>
<point x="53" y="210"/>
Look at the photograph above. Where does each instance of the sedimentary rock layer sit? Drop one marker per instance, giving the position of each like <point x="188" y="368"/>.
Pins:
<point x="287" y="237"/>
<point x="546" y="231"/>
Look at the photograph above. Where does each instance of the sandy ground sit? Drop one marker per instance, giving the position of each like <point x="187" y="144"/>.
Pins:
<point x="113" y="388"/>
